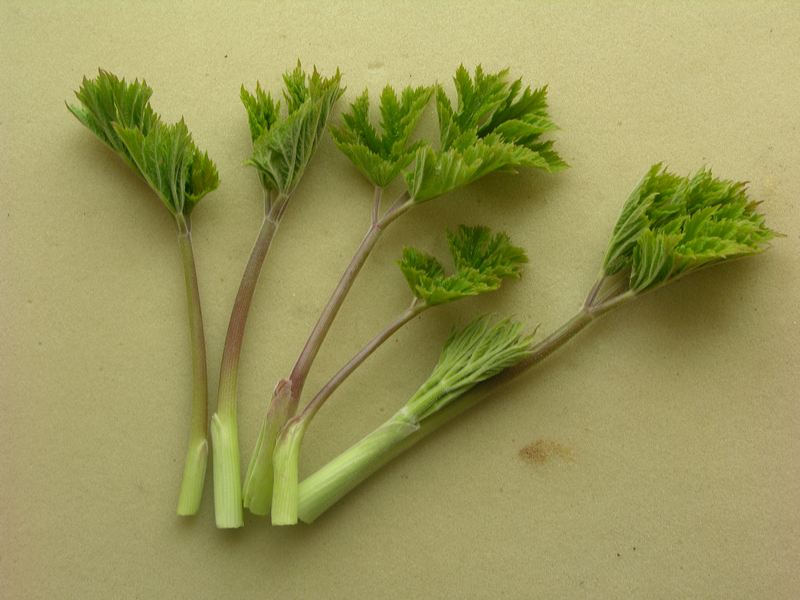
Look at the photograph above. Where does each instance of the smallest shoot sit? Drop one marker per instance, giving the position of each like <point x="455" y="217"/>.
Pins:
<point x="283" y="145"/>
<point x="481" y="259"/>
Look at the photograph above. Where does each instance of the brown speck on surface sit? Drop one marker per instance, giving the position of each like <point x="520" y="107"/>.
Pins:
<point x="541" y="451"/>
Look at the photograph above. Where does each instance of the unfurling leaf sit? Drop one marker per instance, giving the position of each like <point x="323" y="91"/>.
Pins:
<point x="165" y="156"/>
<point x="283" y="146"/>
<point x="106" y="100"/>
<point x="470" y="355"/>
<point x="672" y="225"/>
<point x="481" y="260"/>
<point x="381" y="156"/>
<point x="495" y="126"/>
<point x="436" y="173"/>
<point x="262" y="111"/>
<point x="171" y="163"/>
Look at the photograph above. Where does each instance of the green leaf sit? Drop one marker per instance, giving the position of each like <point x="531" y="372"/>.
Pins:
<point x="477" y="249"/>
<point x="491" y="104"/>
<point x="381" y="156"/>
<point x="495" y="126"/>
<point x="481" y="260"/>
<point x="423" y="273"/>
<point x="107" y="100"/>
<point x="165" y="156"/>
<point x="300" y="87"/>
<point x="478" y="100"/>
<point x="436" y="173"/>
<point x="171" y="163"/>
<point x="672" y="225"/>
<point x="262" y="111"/>
<point x="470" y="355"/>
<point x="653" y="257"/>
<point x="634" y="219"/>
<point x="426" y="278"/>
<point x="284" y="145"/>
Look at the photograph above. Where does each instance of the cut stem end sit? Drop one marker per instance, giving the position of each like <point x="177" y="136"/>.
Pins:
<point x="286" y="462"/>
<point x="227" y="483"/>
<point x="194" y="477"/>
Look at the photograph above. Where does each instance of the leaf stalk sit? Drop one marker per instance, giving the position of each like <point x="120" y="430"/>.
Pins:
<point x="258" y="486"/>
<point x="194" y="472"/>
<point x="224" y="430"/>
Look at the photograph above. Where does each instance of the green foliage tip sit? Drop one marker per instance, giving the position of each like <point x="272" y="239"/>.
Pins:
<point x="482" y="260"/>
<point x="672" y="225"/>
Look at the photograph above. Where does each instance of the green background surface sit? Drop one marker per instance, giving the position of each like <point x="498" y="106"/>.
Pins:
<point x="678" y="416"/>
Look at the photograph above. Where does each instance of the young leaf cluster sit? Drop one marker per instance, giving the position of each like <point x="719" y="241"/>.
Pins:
<point x="672" y="225"/>
<point x="495" y="126"/>
<point x="169" y="161"/>
<point x="481" y="261"/>
<point x="381" y="156"/>
<point x="284" y="144"/>
<point x="470" y="355"/>
<point x="165" y="156"/>
<point x="106" y="100"/>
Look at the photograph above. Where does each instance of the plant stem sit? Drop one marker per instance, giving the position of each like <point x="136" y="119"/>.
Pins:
<point x="376" y="204"/>
<point x="194" y="471"/>
<point x="324" y="488"/>
<point x="241" y="307"/>
<point x="224" y="428"/>
<point x="316" y="403"/>
<point x="303" y="364"/>
<point x="258" y="486"/>
<point x="285" y="460"/>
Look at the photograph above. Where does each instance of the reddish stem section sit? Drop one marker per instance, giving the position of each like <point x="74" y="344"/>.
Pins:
<point x="241" y="307"/>
<point x="303" y="365"/>
<point x="316" y="403"/>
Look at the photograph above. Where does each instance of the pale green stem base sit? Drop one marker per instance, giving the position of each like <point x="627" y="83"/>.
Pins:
<point x="324" y="488"/>
<point x="327" y="486"/>
<point x="194" y="477"/>
<point x="285" y="461"/>
<point x="257" y="489"/>
<point x="227" y="477"/>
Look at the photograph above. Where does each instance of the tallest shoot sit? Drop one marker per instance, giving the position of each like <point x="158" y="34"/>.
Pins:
<point x="282" y="148"/>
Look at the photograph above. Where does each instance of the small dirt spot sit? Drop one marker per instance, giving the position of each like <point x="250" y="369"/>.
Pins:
<point x="542" y="451"/>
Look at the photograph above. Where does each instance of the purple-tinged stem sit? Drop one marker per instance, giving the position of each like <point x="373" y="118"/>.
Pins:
<point x="224" y="428"/>
<point x="303" y="364"/>
<point x="258" y="483"/>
